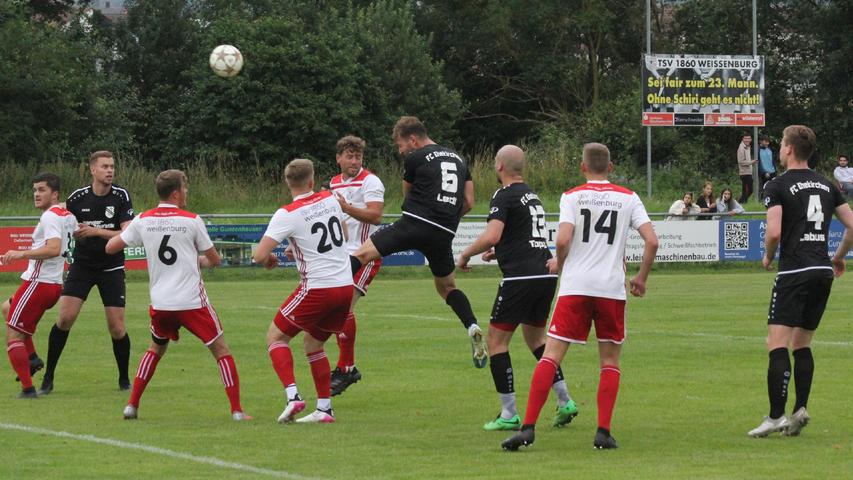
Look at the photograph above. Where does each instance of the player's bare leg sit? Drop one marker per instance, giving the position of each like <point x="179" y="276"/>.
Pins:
<point x="228" y="375"/>
<point x="19" y="359"/>
<point x="778" y="375"/>
<point x="320" y="371"/>
<point x="543" y="378"/>
<point x="69" y="310"/>
<point x="608" y="388"/>
<point x="567" y="410"/>
<point x="366" y="253"/>
<point x="345" y="373"/>
<point x="147" y="367"/>
<point x="502" y="374"/>
<point x="458" y="301"/>
<point x="803" y="372"/>
<point x="121" y="343"/>
<point x="282" y="361"/>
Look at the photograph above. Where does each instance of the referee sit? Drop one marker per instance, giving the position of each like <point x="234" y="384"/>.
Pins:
<point x="103" y="210"/>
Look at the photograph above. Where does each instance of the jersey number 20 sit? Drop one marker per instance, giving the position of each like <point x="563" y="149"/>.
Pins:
<point x="331" y="234"/>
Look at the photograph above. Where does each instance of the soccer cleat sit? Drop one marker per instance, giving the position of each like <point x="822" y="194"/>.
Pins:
<point x="293" y="407"/>
<point x="342" y="380"/>
<point x="131" y="412"/>
<point x="797" y="422"/>
<point x="479" y="352"/>
<point x="523" y="438"/>
<point x="318" y="416"/>
<point x="123" y="384"/>
<point x="500" y="423"/>
<point x="28" y="393"/>
<point x="768" y="426"/>
<point x="566" y="414"/>
<point x="36" y="364"/>
<point x="603" y="440"/>
<point x="46" y="386"/>
<point x="240" y="416"/>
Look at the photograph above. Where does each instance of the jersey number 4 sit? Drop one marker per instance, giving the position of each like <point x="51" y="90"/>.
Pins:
<point x="600" y="227"/>
<point x="814" y="212"/>
<point x="331" y="234"/>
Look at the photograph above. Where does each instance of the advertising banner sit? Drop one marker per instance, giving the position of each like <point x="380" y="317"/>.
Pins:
<point x="703" y="90"/>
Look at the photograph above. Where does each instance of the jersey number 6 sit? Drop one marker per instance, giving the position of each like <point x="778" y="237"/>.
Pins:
<point x="165" y="253"/>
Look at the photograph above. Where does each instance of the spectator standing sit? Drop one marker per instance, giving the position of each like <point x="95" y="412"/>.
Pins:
<point x="766" y="164"/>
<point x="744" y="166"/>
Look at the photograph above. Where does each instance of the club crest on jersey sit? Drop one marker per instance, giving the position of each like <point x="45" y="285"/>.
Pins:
<point x="110" y="211"/>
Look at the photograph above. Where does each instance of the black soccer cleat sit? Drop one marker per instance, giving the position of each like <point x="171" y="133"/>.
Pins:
<point x="342" y="380"/>
<point x="46" y="386"/>
<point x="36" y="364"/>
<point x="28" y="393"/>
<point x="523" y="438"/>
<point x="123" y="384"/>
<point x="603" y="440"/>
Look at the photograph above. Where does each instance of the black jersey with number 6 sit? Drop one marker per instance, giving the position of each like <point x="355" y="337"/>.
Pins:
<point x="438" y="176"/>
<point x="808" y="201"/>
<point x="523" y="247"/>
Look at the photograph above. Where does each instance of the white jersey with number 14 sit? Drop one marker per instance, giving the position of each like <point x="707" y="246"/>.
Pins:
<point x="173" y="239"/>
<point x="602" y="214"/>
<point x="312" y="224"/>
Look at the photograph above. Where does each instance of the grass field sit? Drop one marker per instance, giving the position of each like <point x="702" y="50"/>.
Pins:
<point x="693" y="383"/>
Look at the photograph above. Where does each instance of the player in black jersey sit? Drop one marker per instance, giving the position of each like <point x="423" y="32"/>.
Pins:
<point x="800" y="205"/>
<point x="516" y="236"/>
<point x="103" y="210"/>
<point x="438" y="191"/>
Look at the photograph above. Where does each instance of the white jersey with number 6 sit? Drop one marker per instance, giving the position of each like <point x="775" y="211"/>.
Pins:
<point x="173" y="239"/>
<point x="602" y="213"/>
<point x="312" y="224"/>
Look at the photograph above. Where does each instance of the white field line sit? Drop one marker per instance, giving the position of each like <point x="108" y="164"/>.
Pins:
<point x="155" y="450"/>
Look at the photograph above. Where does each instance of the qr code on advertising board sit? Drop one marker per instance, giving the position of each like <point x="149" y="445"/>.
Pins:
<point x="737" y="236"/>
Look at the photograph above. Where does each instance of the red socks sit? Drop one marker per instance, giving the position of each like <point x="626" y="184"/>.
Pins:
<point x="321" y="372"/>
<point x="346" y="343"/>
<point x="228" y="374"/>
<point x="28" y="343"/>
<point x="540" y="386"/>
<point x="143" y="374"/>
<point x="19" y="358"/>
<point x="282" y="362"/>
<point x="608" y="387"/>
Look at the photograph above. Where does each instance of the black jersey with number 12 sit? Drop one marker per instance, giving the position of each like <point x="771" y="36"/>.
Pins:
<point x="523" y="248"/>
<point x="438" y="176"/>
<point x="808" y="201"/>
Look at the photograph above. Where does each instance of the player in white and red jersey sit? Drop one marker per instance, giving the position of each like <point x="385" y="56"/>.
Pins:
<point x="173" y="239"/>
<point x="314" y="228"/>
<point x="42" y="281"/>
<point x="362" y="199"/>
<point x="595" y="219"/>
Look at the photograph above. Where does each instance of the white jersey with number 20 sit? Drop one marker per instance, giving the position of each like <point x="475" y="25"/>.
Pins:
<point x="602" y="213"/>
<point x="312" y="224"/>
<point x="173" y="239"/>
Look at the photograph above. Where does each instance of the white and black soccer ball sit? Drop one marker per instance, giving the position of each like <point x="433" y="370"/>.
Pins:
<point x="226" y="60"/>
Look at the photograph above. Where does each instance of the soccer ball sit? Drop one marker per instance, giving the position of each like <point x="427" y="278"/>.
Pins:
<point x="226" y="61"/>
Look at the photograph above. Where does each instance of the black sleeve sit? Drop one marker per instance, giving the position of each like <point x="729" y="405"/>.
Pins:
<point x="499" y="207"/>
<point x="468" y="173"/>
<point x="409" y="167"/>
<point x="71" y="205"/>
<point x="772" y="194"/>
<point x="126" y="213"/>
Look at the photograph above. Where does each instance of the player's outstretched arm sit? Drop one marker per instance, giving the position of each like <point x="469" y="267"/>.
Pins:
<point x="372" y="213"/>
<point x="263" y="254"/>
<point x="845" y="216"/>
<point x="488" y="239"/>
<point x="51" y="248"/>
<point x="115" y="245"/>
<point x="650" y="249"/>
<point x="772" y="235"/>
<point x="209" y="258"/>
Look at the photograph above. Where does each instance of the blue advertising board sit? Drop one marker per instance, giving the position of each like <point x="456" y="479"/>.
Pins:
<point x="743" y="240"/>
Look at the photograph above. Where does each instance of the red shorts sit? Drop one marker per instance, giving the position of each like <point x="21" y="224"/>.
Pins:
<point x="365" y="275"/>
<point x="574" y="314"/>
<point x="318" y="311"/>
<point x="201" y="322"/>
<point x="29" y="303"/>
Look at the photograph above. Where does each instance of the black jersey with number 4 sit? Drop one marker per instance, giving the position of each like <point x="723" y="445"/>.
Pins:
<point x="808" y="201"/>
<point x="100" y="211"/>
<point x="523" y="249"/>
<point x="438" y="176"/>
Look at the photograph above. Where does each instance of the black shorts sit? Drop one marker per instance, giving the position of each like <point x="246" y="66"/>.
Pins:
<point x="110" y="284"/>
<point x="411" y="234"/>
<point x="799" y="299"/>
<point x="523" y="301"/>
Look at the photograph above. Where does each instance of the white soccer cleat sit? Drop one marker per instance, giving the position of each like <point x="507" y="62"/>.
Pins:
<point x="293" y="407"/>
<point x="479" y="352"/>
<point x="768" y="426"/>
<point x="797" y="422"/>
<point x="318" y="416"/>
<point x="130" y="412"/>
<point x="240" y="417"/>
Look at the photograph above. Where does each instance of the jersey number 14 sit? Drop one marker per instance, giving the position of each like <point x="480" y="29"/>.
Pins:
<point x="601" y="226"/>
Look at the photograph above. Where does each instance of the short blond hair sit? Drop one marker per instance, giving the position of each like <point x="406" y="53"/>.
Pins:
<point x="168" y="182"/>
<point x="99" y="154"/>
<point x="597" y="157"/>
<point x="298" y="172"/>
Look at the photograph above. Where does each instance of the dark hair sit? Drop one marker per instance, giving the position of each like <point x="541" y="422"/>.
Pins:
<point x="408" y="126"/>
<point x="350" y="142"/>
<point x="597" y="157"/>
<point x="51" y="179"/>
<point x="764" y="138"/>
<point x="845" y="157"/>
<point x="802" y="139"/>
<point x="728" y="203"/>
<point x="168" y="182"/>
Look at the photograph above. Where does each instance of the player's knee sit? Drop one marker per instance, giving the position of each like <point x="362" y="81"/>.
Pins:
<point x="6" y="307"/>
<point x="159" y="341"/>
<point x="65" y="321"/>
